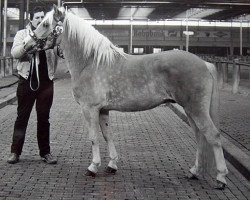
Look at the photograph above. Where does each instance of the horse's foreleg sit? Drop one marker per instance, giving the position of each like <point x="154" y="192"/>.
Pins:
<point x="104" y="123"/>
<point x="91" y="121"/>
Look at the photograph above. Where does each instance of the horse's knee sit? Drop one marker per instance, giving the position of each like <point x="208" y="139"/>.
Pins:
<point x="212" y="135"/>
<point x="93" y="137"/>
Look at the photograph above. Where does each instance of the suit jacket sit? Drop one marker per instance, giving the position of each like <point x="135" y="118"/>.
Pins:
<point x="25" y="59"/>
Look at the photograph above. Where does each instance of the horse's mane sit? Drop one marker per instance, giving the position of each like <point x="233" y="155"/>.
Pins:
<point x="91" y="42"/>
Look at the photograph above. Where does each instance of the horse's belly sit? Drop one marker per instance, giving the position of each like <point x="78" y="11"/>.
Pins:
<point x="132" y="106"/>
<point x="136" y="103"/>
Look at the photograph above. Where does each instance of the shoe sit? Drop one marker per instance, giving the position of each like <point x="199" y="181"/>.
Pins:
<point x="48" y="158"/>
<point x="13" y="158"/>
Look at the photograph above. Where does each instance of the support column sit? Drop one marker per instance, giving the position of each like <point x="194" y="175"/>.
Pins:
<point x="1" y="26"/>
<point x="21" y="15"/>
<point x="241" y="38"/>
<point x="59" y="3"/>
<point x="131" y="33"/>
<point x="131" y="39"/>
<point x="5" y="28"/>
<point x="27" y="10"/>
<point x="187" y="34"/>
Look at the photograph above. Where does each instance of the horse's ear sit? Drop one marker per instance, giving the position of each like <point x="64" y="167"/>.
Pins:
<point x="58" y="14"/>
<point x="55" y="8"/>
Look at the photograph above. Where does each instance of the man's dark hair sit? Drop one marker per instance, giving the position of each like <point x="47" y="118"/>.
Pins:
<point x="36" y="10"/>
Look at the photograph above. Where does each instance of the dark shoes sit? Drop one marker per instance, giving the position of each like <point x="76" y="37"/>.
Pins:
<point x="49" y="159"/>
<point x="13" y="158"/>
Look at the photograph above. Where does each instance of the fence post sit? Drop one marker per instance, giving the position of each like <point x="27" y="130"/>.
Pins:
<point x="236" y="77"/>
<point x="220" y="75"/>
<point x="9" y="67"/>
<point x="225" y="72"/>
<point x="2" y="65"/>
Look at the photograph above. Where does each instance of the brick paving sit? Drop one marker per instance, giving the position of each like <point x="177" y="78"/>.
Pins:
<point x="156" y="150"/>
<point x="235" y="116"/>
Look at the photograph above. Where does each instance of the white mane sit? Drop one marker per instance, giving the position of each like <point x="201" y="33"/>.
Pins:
<point x="92" y="42"/>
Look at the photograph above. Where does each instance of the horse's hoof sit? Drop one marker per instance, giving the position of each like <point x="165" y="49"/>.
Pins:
<point x="220" y="185"/>
<point x="110" y="170"/>
<point x="90" y="173"/>
<point x="191" y="176"/>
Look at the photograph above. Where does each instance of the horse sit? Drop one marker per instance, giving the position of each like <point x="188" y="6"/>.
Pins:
<point x="104" y="78"/>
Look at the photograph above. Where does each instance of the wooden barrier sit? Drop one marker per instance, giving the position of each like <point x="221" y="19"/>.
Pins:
<point x="225" y="72"/>
<point x="220" y="74"/>
<point x="6" y="66"/>
<point x="2" y="68"/>
<point x="222" y="65"/>
<point x="236" y="77"/>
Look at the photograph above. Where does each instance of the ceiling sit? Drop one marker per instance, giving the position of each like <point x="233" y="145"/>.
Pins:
<point x="151" y="10"/>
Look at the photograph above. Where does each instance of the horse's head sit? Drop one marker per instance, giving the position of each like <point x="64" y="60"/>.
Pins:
<point x="51" y="24"/>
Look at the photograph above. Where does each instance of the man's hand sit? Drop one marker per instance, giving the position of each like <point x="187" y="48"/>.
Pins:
<point x="29" y="44"/>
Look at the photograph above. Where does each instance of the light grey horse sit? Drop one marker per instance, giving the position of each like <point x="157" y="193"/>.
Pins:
<point x="104" y="78"/>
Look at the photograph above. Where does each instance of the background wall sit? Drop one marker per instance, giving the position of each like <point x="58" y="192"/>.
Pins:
<point x="206" y="40"/>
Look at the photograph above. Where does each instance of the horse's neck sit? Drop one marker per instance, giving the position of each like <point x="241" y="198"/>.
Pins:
<point x="76" y="63"/>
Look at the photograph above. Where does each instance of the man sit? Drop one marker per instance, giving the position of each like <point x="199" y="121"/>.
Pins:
<point x="35" y="85"/>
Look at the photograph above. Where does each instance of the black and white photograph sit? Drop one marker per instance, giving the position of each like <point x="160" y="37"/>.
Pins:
<point x="124" y="100"/>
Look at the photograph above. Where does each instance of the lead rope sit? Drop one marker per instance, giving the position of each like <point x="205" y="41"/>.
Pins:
<point x="34" y="62"/>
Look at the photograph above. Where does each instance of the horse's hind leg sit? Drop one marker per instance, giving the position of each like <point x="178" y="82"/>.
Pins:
<point x="104" y="123"/>
<point x="196" y="168"/>
<point x="206" y="127"/>
<point x="91" y="122"/>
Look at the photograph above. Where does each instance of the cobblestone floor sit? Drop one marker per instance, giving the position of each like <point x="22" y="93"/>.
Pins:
<point x="239" y="111"/>
<point x="235" y="115"/>
<point x="156" y="150"/>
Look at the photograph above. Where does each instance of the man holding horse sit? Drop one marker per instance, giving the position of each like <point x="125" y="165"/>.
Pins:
<point x="36" y="68"/>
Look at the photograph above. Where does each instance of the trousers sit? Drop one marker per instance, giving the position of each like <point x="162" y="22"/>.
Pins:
<point x="26" y="98"/>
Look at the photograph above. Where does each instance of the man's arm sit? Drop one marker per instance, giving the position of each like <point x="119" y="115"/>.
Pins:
<point x="17" y="50"/>
<point x="22" y="45"/>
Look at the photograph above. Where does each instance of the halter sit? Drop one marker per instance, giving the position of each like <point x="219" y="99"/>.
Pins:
<point x="57" y="30"/>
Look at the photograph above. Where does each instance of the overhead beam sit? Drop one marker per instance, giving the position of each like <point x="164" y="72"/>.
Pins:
<point x="194" y="3"/>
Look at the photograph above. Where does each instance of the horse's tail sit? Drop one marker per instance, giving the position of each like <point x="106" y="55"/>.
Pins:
<point x="214" y="104"/>
<point x="208" y="159"/>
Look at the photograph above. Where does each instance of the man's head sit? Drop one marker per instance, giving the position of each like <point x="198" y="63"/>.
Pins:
<point x="37" y="15"/>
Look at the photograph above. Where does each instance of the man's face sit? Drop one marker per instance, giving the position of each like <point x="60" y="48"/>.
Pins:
<point x="37" y="18"/>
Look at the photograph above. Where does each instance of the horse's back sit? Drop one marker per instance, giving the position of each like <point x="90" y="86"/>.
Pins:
<point x="185" y="75"/>
<point x="143" y="82"/>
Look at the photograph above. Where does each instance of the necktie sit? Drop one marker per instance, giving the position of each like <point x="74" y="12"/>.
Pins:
<point x="34" y="76"/>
